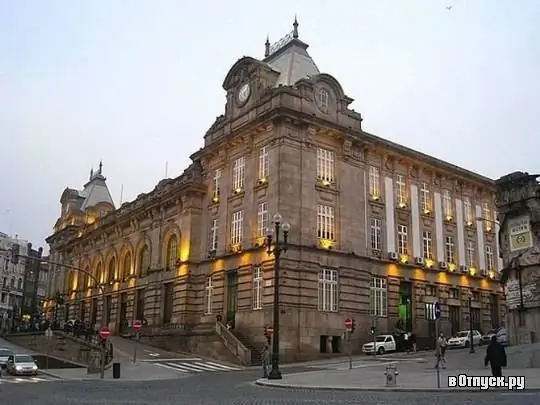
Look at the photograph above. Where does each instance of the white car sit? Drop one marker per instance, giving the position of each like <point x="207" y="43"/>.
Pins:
<point x="462" y="339"/>
<point x="382" y="344"/>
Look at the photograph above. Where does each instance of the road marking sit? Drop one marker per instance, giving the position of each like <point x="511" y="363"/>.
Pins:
<point x="366" y="365"/>
<point x="195" y="367"/>
<point x="165" y="360"/>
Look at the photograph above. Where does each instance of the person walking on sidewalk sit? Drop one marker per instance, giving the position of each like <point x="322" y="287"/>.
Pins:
<point x="440" y="351"/>
<point x="412" y="339"/>
<point x="265" y="357"/>
<point x="495" y="356"/>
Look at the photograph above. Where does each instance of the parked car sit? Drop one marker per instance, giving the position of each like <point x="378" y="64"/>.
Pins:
<point x="501" y="333"/>
<point x="462" y="339"/>
<point x="4" y="356"/>
<point x="382" y="344"/>
<point x="22" y="364"/>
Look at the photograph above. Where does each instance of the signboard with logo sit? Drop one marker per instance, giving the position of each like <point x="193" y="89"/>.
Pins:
<point x="519" y="233"/>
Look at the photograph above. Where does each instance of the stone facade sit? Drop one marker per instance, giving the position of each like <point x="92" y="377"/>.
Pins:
<point x="518" y="202"/>
<point x="379" y="232"/>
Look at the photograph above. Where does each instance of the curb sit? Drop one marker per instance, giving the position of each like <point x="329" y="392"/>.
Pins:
<point x="265" y="383"/>
<point x="49" y="374"/>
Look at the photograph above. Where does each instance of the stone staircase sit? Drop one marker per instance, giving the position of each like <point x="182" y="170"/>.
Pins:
<point x="255" y="352"/>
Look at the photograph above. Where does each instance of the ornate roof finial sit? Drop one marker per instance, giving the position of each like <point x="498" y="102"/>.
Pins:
<point x="91" y="174"/>
<point x="295" y="28"/>
<point x="100" y="166"/>
<point x="267" y="47"/>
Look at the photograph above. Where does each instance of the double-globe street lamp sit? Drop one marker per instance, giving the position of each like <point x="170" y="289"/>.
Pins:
<point x="15" y="254"/>
<point x="276" y="244"/>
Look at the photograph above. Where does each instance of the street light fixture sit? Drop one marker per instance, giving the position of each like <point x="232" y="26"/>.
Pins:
<point x="471" y="350"/>
<point x="276" y="245"/>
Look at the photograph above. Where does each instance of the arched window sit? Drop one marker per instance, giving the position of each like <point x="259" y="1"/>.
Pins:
<point x="12" y="282"/>
<point x="112" y="270"/>
<point x="172" y="248"/>
<point x="99" y="275"/>
<point x="323" y="98"/>
<point x="144" y="260"/>
<point x="19" y="284"/>
<point x="84" y="278"/>
<point x="126" y="268"/>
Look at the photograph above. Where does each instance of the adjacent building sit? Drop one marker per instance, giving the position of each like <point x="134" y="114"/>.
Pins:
<point x="379" y="232"/>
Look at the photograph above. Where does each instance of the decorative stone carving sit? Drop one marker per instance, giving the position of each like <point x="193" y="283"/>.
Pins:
<point x="389" y="162"/>
<point x="413" y="171"/>
<point x="347" y="148"/>
<point x="436" y="179"/>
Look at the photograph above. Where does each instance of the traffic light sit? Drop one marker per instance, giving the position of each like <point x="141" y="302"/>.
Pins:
<point x="15" y="253"/>
<point x="373" y="330"/>
<point x="353" y="326"/>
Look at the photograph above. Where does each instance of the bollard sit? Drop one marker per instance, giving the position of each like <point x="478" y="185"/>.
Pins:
<point x="116" y="371"/>
<point x="391" y="374"/>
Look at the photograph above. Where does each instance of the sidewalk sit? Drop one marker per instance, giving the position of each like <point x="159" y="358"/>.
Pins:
<point x="374" y="379"/>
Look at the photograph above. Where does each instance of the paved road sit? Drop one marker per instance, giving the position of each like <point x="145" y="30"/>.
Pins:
<point x="228" y="389"/>
<point x="26" y="380"/>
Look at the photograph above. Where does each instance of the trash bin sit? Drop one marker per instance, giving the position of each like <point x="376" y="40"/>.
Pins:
<point x="116" y="370"/>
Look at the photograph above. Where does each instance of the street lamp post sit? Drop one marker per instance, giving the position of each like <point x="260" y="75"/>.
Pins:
<point x="276" y="245"/>
<point x="471" y="350"/>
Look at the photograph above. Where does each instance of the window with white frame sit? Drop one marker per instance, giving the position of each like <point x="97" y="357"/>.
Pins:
<point x="374" y="181"/>
<point x="237" y="228"/>
<point x="449" y="249"/>
<point x="258" y="287"/>
<point x="239" y="174"/>
<point x="376" y="234"/>
<point x="486" y="215"/>
<point x="490" y="264"/>
<point x="401" y="191"/>
<point x="328" y="290"/>
<point x="216" y="191"/>
<point x="264" y="163"/>
<point x="425" y="201"/>
<point x="323" y="98"/>
<point x="326" y="225"/>
<point x="427" y="245"/>
<point x="213" y="235"/>
<point x="379" y="297"/>
<point x="262" y="219"/>
<point x="209" y="295"/>
<point x="447" y="204"/>
<point x="403" y="240"/>
<point x="467" y="211"/>
<point x="471" y="253"/>
<point x="325" y="165"/>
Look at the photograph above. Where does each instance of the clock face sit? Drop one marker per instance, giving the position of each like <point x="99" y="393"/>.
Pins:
<point x="244" y="93"/>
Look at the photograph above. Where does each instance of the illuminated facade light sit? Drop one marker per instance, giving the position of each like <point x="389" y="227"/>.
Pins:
<point x="326" y="243"/>
<point x="452" y="267"/>
<point x="429" y="263"/>
<point x="404" y="259"/>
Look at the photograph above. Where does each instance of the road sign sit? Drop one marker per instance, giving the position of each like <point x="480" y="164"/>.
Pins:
<point x="137" y="325"/>
<point x="270" y="329"/>
<point x="437" y="310"/>
<point x="104" y="333"/>
<point x="348" y="323"/>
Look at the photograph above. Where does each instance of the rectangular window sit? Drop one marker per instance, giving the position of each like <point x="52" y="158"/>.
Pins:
<point x="449" y="251"/>
<point x="425" y="200"/>
<point x="376" y="234"/>
<point x="476" y="296"/>
<point x="431" y="290"/>
<point x="264" y="163"/>
<point x="403" y="240"/>
<point x="258" y="287"/>
<point x="216" y="190"/>
<point x="427" y="245"/>
<point x="325" y="165"/>
<point x="489" y="259"/>
<point x="447" y="205"/>
<point x="326" y="228"/>
<point x="139" y="309"/>
<point x="262" y="219"/>
<point x="471" y="254"/>
<point x="237" y="228"/>
<point x="401" y="191"/>
<point x="209" y="295"/>
<point x="328" y="290"/>
<point x="214" y="235"/>
<point x="239" y="173"/>
<point x="379" y="297"/>
<point x="453" y="293"/>
<point x="168" y="298"/>
<point x="467" y="211"/>
<point x="486" y="215"/>
<point x="374" y="182"/>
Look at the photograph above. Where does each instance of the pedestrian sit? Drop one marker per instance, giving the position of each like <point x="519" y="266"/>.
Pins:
<point x="495" y="356"/>
<point x="412" y="339"/>
<point x="440" y="351"/>
<point x="265" y="357"/>
<point x="406" y="342"/>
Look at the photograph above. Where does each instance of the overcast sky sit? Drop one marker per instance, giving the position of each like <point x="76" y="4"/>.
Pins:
<point x="137" y="83"/>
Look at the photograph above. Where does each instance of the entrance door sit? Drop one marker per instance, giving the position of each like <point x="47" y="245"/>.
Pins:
<point x="122" y="316"/>
<point x="232" y="293"/>
<point x="455" y="319"/>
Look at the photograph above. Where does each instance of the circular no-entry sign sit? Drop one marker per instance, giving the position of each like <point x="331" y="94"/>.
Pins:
<point x="137" y="325"/>
<point x="104" y="332"/>
<point x="348" y="323"/>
